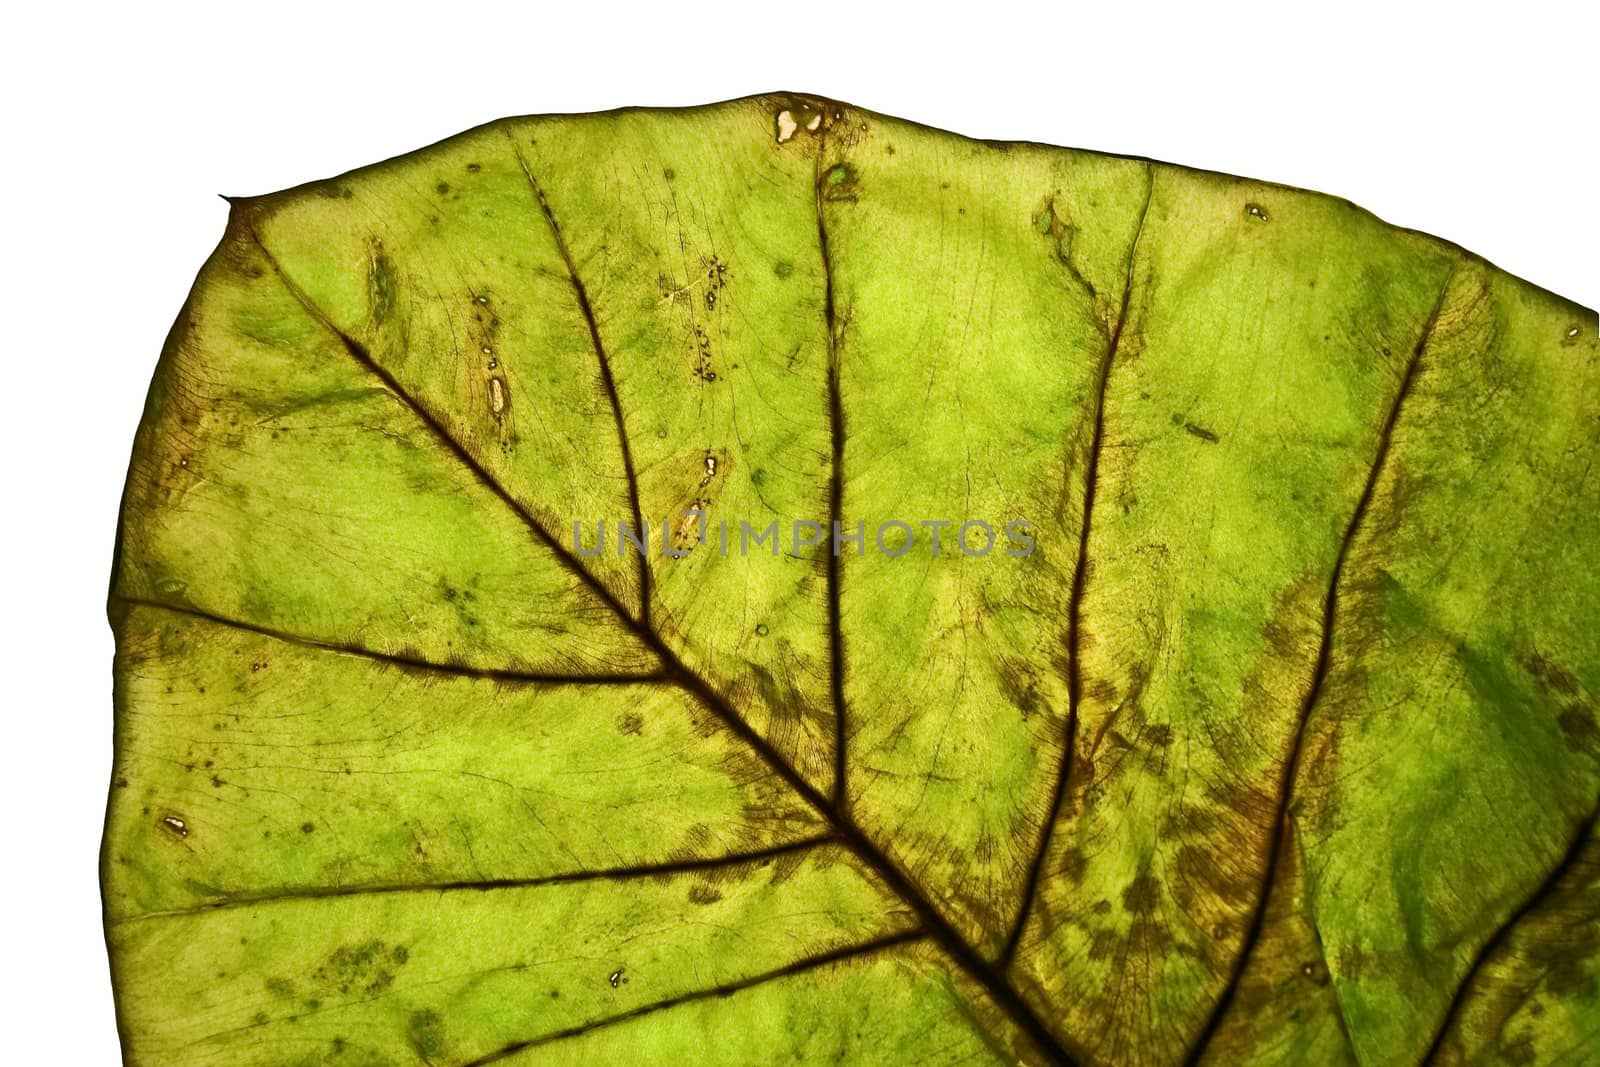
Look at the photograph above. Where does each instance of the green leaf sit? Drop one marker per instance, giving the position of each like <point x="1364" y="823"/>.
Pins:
<point x="1278" y="746"/>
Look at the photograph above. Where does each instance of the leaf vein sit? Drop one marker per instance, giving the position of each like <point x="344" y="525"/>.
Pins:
<point x="359" y="352"/>
<point x="715" y="992"/>
<point x="1079" y="582"/>
<point x="961" y="953"/>
<point x="605" y="874"/>
<point x="581" y="293"/>
<point x="1330" y="611"/>
<point x="836" y="437"/>
<point x="406" y="662"/>
<point x="1545" y="889"/>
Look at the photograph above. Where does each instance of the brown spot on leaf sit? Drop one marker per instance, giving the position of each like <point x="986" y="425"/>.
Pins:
<point x="1139" y="896"/>
<point x="1352" y="963"/>
<point x="1577" y="726"/>
<point x="365" y="969"/>
<point x="1073" y="865"/>
<point x="701" y="893"/>
<point x="1020" y="684"/>
<point x="841" y="182"/>
<point x="1552" y="676"/>
<point x="1102" y="690"/>
<point x="1104" y="944"/>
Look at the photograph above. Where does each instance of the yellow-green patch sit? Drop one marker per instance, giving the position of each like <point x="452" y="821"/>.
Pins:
<point x="1094" y="612"/>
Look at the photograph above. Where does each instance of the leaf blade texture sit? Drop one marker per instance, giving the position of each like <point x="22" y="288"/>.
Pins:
<point x="1277" y="746"/>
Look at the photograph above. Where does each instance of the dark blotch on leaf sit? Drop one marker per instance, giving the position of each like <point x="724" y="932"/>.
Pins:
<point x="841" y="182"/>
<point x="700" y="893"/>
<point x="425" y="1033"/>
<point x="1578" y="726"/>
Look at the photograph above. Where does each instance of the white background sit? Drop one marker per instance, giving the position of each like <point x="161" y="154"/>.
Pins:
<point x="122" y="125"/>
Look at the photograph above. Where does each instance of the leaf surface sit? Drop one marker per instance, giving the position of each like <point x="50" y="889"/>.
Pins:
<point x="1277" y="744"/>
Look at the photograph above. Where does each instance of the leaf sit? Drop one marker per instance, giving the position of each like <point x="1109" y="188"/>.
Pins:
<point x="1278" y="746"/>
